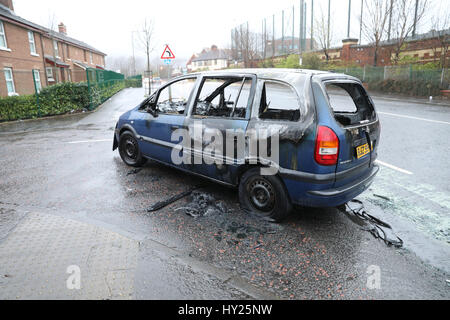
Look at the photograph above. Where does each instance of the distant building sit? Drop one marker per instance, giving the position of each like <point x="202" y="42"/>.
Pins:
<point x="34" y="56"/>
<point x="209" y="59"/>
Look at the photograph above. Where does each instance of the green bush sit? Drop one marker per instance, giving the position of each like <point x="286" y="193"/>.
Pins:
<point x="61" y="98"/>
<point x="291" y="62"/>
<point x="133" y="83"/>
<point x="312" y="61"/>
<point x="21" y="107"/>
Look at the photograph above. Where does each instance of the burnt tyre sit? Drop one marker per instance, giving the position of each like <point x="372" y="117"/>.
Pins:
<point x="264" y="195"/>
<point x="129" y="150"/>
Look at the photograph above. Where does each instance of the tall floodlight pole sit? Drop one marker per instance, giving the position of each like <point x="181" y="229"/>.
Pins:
<point x="349" y="13"/>
<point x="265" y="38"/>
<point x="304" y="27"/>
<point x="312" y="25"/>
<point x="247" y="47"/>
<point x="262" y="39"/>
<point x="329" y="17"/>
<point x="300" y="34"/>
<point x="273" y="36"/>
<point x="293" y="28"/>
<point x="361" y="19"/>
<point x="415" y="19"/>
<point x="282" y="32"/>
<point x="134" y="57"/>
<point x="390" y="19"/>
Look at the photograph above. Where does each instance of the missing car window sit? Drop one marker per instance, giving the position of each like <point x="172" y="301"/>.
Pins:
<point x="349" y="103"/>
<point x="279" y="102"/>
<point x="223" y="97"/>
<point x="173" y="98"/>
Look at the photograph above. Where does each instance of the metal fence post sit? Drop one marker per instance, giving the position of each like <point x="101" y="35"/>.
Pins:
<point x="37" y="93"/>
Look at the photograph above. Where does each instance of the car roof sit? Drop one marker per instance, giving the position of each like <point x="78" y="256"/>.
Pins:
<point x="276" y="73"/>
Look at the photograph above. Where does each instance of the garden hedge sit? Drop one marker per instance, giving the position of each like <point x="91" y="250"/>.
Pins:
<point x="60" y="99"/>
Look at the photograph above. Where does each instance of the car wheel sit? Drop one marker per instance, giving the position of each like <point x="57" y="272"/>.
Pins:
<point x="264" y="195"/>
<point x="129" y="150"/>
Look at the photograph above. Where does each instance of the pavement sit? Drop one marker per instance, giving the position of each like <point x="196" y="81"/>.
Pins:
<point x="71" y="210"/>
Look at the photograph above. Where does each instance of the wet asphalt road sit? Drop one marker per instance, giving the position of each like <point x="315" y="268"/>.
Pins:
<point x="65" y="167"/>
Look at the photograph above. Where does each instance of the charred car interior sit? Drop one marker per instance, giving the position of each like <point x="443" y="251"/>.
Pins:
<point x="326" y="126"/>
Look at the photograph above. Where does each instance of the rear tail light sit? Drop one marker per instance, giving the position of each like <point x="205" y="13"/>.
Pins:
<point x="327" y="147"/>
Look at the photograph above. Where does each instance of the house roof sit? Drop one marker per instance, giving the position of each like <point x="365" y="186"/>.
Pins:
<point x="59" y="63"/>
<point x="213" y="55"/>
<point x="9" y="14"/>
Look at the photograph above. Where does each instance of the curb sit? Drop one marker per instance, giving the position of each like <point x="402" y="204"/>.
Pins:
<point x="407" y="100"/>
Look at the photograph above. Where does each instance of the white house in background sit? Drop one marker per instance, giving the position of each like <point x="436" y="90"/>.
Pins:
<point x="209" y="59"/>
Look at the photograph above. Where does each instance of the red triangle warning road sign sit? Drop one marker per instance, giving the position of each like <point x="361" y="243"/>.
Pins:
<point x="167" y="53"/>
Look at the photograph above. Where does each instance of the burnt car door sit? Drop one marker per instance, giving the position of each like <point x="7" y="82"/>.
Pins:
<point x="162" y="115"/>
<point x="219" y="117"/>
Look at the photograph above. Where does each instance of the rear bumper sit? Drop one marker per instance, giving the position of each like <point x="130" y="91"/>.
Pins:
<point x="322" y="192"/>
<point x="365" y="182"/>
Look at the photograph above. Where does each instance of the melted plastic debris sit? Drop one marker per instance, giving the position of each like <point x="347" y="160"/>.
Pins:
<point x="203" y="204"/>
<point x="134" y="171"/>
<point x="379" y="229"/>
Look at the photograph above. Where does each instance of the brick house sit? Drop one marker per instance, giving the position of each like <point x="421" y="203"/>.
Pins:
<point x="34" y="56"/>
<point x="424" y="47"/>
<point x="209" y="59"/>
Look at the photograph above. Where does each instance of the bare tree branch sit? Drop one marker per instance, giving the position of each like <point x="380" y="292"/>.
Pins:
<point x="145" y="38"/>
<point x="321" y="32"/>
<point x="403" y="13"/>
<point x="374" y="23"/>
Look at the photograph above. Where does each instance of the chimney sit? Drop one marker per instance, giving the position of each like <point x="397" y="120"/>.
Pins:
<point x="62" y="28"/>
<point x="7" y="3"/>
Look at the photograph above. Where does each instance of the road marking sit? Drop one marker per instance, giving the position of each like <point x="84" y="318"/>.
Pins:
<point x="415" y="118"/>
<point x="393" y="167"/>
<point x="89" y="141"/>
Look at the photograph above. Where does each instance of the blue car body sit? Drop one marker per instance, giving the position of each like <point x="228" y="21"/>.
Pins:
<point x="307" y="182"/>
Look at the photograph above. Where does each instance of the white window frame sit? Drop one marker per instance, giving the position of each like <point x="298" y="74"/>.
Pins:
<point x="56" y="48"/>
<point x="32" y="42"/>
<point x="3" y="34"/>
<point x="91" y="57"/>
<point x="9" y="80"/>
<point x="37" y="80"/>
<point x="49" y="74"/>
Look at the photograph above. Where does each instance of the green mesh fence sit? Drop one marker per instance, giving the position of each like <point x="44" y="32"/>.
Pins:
<point x="439" y="78"/>
<point x="102" y="84"/>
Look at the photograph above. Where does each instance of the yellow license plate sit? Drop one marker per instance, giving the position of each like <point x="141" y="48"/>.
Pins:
<point x="362" y="150"/>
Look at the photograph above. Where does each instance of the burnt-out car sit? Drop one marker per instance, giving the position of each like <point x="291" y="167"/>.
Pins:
<point x="327" y="133"/>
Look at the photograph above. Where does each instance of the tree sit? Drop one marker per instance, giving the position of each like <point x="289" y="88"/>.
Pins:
<point x="324" y="35"/>
<point x="440" y="30"/>
<point x="245" y="47"/>
<point x="403" y="13"/>
<point x="374" y="23"/>
<point x="145" y="37"/>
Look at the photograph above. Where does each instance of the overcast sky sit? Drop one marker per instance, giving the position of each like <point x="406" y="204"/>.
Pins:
<point x="187" y="26"/>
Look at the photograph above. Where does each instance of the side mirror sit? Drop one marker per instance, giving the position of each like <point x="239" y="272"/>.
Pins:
<point x="152" y="110"/>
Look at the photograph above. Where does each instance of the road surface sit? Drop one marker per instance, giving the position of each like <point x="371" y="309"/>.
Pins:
<point x="67" y="200"/>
